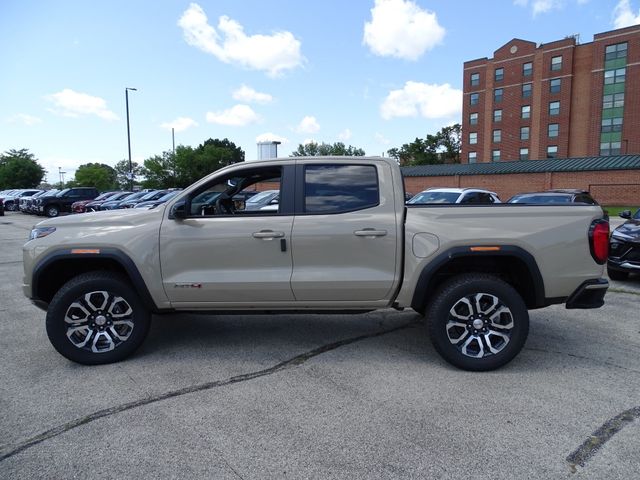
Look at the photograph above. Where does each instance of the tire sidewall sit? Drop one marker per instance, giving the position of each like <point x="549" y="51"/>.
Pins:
<point x="76" y="288"/>
<point x="462" y="286"/>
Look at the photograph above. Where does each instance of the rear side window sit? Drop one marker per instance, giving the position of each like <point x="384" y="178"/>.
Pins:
<point x="340" y="188"/>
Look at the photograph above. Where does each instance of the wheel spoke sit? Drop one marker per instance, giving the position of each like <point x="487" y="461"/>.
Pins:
<point x="502" y="313"/>
<point x="487" y="309"/>
<point x="451" y="331"/>
<point x="460" y="306"/>
<point x="82" y="341"/>
<point x="110" y="344"/>
<point x="119" y="308"/>
<point x="76" y="313"/>
<point x="470" y="340"/>
<point x="92" y="297"/>
<point x="500" y="346"/>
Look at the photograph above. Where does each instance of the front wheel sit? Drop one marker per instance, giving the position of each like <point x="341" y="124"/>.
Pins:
<point x="478" y="322"/>
<point x="52" y="211"/>
<point x="97" y="318"/>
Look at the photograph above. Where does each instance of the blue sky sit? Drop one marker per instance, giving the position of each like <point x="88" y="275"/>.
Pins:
<point x="371" y="73"/>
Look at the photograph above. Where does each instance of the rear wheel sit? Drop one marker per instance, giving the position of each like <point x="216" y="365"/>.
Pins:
<point x="97" y="318"/>
<point x="478" y="322"/>
<point x="617" y="274"/>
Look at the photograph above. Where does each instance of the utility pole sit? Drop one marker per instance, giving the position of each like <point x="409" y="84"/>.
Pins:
<point x="126" y="97"/>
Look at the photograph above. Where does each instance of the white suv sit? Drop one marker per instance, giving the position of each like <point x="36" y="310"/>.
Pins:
<point x="455" y="195"/>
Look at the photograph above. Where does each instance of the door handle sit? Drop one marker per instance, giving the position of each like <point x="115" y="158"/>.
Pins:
<point x="370" y="232"/>
<point x="268" y="234"/>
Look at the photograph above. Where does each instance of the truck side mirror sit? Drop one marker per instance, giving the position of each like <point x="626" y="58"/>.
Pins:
<point x="178" y="210"/>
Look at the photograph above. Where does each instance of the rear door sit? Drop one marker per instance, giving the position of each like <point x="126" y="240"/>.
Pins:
<point x="344" y="238"/>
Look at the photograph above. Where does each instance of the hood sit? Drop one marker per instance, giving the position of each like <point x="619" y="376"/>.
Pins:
<point x="630" y="228"/>
<point x="105" y="218"/>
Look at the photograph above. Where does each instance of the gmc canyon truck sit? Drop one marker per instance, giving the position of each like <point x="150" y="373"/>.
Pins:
<point x="341" y="239"/>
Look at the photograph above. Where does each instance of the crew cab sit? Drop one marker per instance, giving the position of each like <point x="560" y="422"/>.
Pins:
<point x="52" y="206"/>
<point x="341" y="240"/>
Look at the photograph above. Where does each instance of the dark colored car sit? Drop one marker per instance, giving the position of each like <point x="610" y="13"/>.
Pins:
<point x="154" y="203"/>
<point x="52" y="206"/>
<point x="554" y="196"/>
<point x="95" y="205"/>
<point x="147" y="197"/>
<point x="114" y="203"/>
<point x="81" y="206"/>
<point x="624" y="247"/>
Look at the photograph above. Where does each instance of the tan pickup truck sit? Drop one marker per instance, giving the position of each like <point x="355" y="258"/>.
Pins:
<point x="339" y="239"/>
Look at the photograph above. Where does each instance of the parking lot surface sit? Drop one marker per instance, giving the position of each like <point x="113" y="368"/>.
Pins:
<point x="292" y="396"/>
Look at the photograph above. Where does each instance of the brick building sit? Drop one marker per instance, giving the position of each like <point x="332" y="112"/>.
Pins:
<point x="558" y="100"/>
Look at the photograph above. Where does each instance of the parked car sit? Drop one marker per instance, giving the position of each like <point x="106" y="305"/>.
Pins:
<point x="554" y="196"/>
<point x="95" y="205"/>
<point x="52" y="206"/>
<point x="454" y="195"/>
<point x="114" y="203"/>
<point x="34" y="202"/>
<point x="26" y="202"/>
<point x="154" y="203"/>
<point x="263" y="199"/>
<point x="81" y="205"/>
<point x="12" y="201"/>
<point x="148" y="196"/>
<point x="624" y="247"/>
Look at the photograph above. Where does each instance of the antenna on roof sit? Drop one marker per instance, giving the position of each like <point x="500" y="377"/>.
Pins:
<point x="575" y="36"/>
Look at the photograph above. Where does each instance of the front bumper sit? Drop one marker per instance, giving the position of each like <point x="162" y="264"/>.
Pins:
<point x="589" y="295"/>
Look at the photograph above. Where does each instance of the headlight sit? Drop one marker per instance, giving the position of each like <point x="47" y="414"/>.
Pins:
<point x="40" y="232"/>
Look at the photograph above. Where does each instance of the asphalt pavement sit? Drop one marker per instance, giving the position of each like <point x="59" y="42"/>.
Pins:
<point x="292" y="396"/>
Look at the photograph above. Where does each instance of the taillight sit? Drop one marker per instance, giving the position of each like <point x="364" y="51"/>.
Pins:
<point x="599" y="240"/>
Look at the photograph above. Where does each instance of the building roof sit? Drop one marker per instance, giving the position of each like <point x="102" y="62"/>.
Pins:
<point x="583" y="164"/>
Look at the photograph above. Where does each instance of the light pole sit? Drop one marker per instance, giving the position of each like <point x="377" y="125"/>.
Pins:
<point x="126" y="98"/>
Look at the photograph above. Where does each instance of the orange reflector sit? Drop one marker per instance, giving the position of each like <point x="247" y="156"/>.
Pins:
<point x="85" y="250"/>
<point x="484" y="249"/>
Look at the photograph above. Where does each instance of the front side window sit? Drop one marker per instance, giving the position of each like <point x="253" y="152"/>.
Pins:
<point x="340" y="188"/>
<point x="618" y="50"/>
<point x="554" y="108"/>
<point x="553" y="129"/>
<point x="497" y="95"/>
<point x="499" y="74"/>
<point x="473" y="138"/>
<point x="552" y="151"/>
<point x="475" y="79"/>
<point x="229" y="195"/>
<point x="524" y="154"/>
<point x="554" y="85"/>
<point x="526" y="90"/>
<point x="497" y="115"/>
<point x="473" y="157"/>
<point x="473" y="119"/>
<point x="527" y="69"/>
<point x="524" y="133"/>
<point x="615" y="76"/>
<point x="525" y="111"/>
<point x="474" y="98"/>
<point x="497" y="136"/>
<point x="495" y="155"/>
<point x="556" y="63"/>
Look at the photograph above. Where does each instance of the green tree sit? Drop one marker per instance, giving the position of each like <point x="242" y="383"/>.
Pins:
<point x="443" y="147"/>
<point x="160" y="171"/>
<point x="98" y="175"/>
<point x="122" y="173"/>
<point x="313" y="149"/>
<point x="19" y="169"/>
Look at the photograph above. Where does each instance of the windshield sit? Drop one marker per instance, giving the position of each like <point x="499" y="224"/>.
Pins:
<point x="151" y="195"/>
<point x="62" y="192"/>
<point x="541" y="199"/>
<point x="637" y="215"/>
<point x="435" y="197"/>
<point x="260" y="196"/>
<point x="169" y="196"/>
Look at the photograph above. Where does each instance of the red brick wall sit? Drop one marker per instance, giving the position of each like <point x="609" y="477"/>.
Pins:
<point x="620" y="187"/>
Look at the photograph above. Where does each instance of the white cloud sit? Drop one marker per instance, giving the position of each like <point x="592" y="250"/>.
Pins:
<point x="273" y="54"/>
<point x="381" y="139"/>
<point x="426" y="100"/>
<point x="70" y="103"/>
<point x="271" y="137"/>
<point x="400" y="28"/>
<point x="25" y="119"/>
<point x="544" y="6"/>
<point x="307" y="141"/>
<point x="344" y="135"/>
<point x="180" y="124"/>
<point x="236" y="116"/>
<point x="623" y="15"/>
<point x="308" y="125"/>
<point x="248" y="94"/>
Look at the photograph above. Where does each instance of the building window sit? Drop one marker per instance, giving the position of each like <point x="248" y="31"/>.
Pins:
<point x="497" y="136"/>
<point x="525" y="111"/>
<point x="474" y="98"/>
<point x="615" y="51"/>
<point x="553" y="129"/>
<point x="524" y="154"/>
<point x="473" y="157"/>
<point x="495" y="155"/>
<point x="473" y="138"/>
<point x="556" y="63"/>
<point x="613" y="101"/>
<point x="499" y="74"/>
<point x="497" y="95"/>
<point x="554" y="108"/>
<point x="614" y="76"/>
<point x="497" y="115"/>
<point x="611" y="125"/>
<point x="475" y="79"/>
<point x="527" y="69"/>
<point x="524" y="133"/>
<point x="526" y="90"/>
<point x="554" y="85"/>
<point x="473" y="119"/>
<point x="552" y="151"/>
<point x="610" y="148"/>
